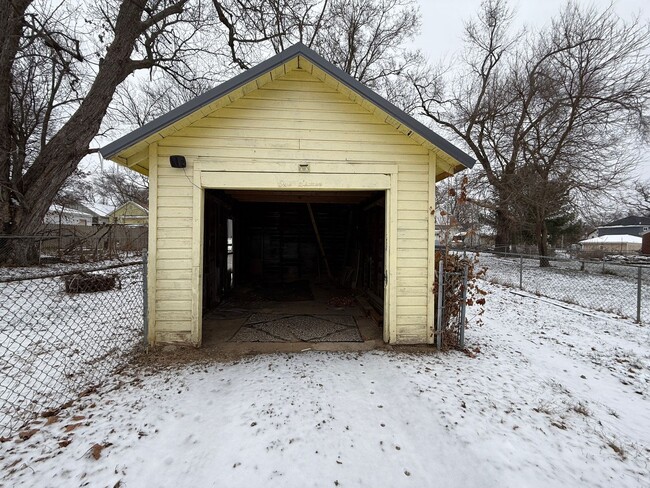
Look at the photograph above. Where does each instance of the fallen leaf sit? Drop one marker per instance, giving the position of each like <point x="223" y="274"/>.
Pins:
<point x="96" y="451"/>
<point x="26" y="434"/>
<point x="71" y="427"/>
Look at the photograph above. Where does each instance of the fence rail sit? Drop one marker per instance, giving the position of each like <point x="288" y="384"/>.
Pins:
<point x="64" y="329"/>
<point x="607" y="286"/>
<point x="77" y="243"/>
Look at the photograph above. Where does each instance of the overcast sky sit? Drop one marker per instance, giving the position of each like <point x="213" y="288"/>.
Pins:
<point x="442" y="26"/>
<point x="443" y="20"/>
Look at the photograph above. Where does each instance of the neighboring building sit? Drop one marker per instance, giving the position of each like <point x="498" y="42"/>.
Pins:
<point x="67" y="216"/>
<point x="300" y="160"/>
<point x="633" y="225"/>
<point x="612" y="244"/>
<point x="129" y="213"/>
<point x="99" y="211"/>
<point x="645" y="243"/>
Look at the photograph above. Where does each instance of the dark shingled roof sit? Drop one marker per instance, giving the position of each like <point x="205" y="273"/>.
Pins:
<point x="631" y="220"/>
<point x="279" y="59"/>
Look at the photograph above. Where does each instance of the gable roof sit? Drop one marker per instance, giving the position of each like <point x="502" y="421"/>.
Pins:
<point x="251" y="74"/>
<point x="135" y="204"/>
<point x="632" y="220"/>
<point x="97" y="209"/>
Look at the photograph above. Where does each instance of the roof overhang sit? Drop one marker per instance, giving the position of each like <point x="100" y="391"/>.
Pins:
<point x="131" y="149"/>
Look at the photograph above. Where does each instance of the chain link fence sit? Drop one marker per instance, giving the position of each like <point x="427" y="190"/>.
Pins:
<point x="456" y="287"/>
<point x="64" y="328"/>
<point x="451" y="303"/>
<point x="606" y="286"/>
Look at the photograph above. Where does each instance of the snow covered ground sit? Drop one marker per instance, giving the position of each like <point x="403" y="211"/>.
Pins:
<point x="550" y="396"/>
<point x="605" y="286"/>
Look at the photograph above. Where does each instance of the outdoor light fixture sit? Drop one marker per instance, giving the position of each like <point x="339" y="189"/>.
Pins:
<point x="177" y="161"/>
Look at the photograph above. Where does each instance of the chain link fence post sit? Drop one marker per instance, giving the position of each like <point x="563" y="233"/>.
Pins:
<point x="441" y="294"/>
<point x="521" y="272"/>
<point x="145" y="298"/>
<point x="638" y="294"/>
<point x="463" y="306"/>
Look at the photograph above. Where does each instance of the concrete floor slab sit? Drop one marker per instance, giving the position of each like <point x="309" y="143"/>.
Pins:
<point x="244" y="325"/>
<point x="298" y="328"/>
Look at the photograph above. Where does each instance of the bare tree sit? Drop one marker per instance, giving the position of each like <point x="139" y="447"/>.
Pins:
<point x="365" y="38"/>
<point x="140" y="101"/>
<point x="61" y="66"/>
<point x="638" y="199"/>
<point x="456" y="212"/>
<point x="77" y="189"/>
<point x="547" y="114"/>
<point x="54" y="94"/>
<point x="120" y="186"/>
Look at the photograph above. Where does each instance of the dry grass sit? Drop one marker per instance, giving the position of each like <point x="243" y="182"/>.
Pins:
<point x="582" y="409"/>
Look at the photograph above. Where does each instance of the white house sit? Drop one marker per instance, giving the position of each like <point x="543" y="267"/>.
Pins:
<point x="612" y="244"/>
<point x="67" y="216"/>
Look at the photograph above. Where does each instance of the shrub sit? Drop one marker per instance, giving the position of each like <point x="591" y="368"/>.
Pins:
<point x="90" y="283"/>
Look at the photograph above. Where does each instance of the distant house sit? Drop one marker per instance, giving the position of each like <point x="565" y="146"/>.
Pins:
<point x="621" y="244"/>
<point x="633" y="225"/>
<point x="58" y="215"/>
<point x="99" y="211"/>
<point x="463" y="235"/>
<point x="129" y="213"/>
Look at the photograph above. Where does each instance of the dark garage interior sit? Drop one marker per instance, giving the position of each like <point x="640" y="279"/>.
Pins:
<point x="293" y="266"/>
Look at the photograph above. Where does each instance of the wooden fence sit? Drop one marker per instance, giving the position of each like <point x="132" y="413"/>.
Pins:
<point x="88" y="243"/>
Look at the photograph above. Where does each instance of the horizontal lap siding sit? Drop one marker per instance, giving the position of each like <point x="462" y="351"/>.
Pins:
<point x="174" y="253"/>
<point x="412" y="251"/>
<point x="299" y="119"/>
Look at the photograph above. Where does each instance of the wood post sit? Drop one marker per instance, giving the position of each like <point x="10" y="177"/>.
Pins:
<point x="320" y="243"/>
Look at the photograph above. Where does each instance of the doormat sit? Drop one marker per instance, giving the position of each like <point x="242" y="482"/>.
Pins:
<point x="296" y="291"/>
<point x="264" y="327"/>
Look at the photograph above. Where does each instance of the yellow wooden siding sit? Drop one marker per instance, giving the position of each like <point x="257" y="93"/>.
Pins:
<point x="174" y="254"/>
<point x="413" y="220"/>
<point x="298" y="119"/>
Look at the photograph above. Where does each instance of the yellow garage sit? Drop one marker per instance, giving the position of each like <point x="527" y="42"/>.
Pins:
<point x="290" y="183"/>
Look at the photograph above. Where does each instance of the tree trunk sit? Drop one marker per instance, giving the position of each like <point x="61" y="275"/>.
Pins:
<point x="11" y="27"/>
<point x="60" y="157"/>
<point x="542" y="244"/>
<point x="503" y="230"/>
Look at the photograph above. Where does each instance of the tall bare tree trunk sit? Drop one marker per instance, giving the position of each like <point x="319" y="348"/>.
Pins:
<point x="61" y="155"/>
<point x="542" y="243"/>
<point x="503" y="234"/>
<point x="11" y="27"/>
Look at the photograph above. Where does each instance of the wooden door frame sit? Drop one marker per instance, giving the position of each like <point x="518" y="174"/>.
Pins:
<point x="211" y="173"/>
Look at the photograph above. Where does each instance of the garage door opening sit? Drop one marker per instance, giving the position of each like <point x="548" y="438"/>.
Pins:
<point x="293" y="266"/>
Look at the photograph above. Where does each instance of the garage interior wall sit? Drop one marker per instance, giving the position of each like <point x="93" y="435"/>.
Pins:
<point x="294" y="120"/>
<point x="276" y="237"/>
